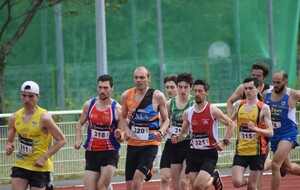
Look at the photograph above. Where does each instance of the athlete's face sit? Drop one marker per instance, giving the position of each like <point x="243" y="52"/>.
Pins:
<point x="29" y="99"/>
<point x="250" y="90"/>
<point x="171" y="89"/>
<point x="104" y="90"/>
<point x="200" y="94"/>
<point x="279" y="83"/>
<point x="184" y="89"/>
<point x="141" y="78"/>
<point x="259" y="74"/>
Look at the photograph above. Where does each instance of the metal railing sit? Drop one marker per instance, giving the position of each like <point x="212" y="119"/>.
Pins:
<point x="69" y="163"/>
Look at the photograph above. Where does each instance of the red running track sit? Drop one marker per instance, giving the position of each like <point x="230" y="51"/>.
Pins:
<point x="289" y="182"/>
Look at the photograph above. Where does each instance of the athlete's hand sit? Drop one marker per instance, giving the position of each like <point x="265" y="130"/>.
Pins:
<point x="9" y="148"/>
<point x="127" y="134"/>
<point x="175" y="139"/>
<point x="119" y="135"/>
<point x="41" y="161"/>
<point x="158" y="135"/>
<point x="251" y="126"/>
<point x="219" y="146"/>
<point x="78" y="144"/>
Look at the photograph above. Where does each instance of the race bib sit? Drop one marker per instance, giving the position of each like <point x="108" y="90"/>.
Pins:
<point x="25" y="145"/>
<point x="200" y="140"/>
<point x="100" y="132"/>
<point x="276" y="125"/>
<point x="140" y="133"/>
<point x="247" y="134"/>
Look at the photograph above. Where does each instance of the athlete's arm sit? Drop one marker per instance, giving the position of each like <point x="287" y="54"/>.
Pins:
<point x="80" y="125"/>
<point x="237" y="94"/>
<point x="47" y="123"/>
<point x="11" y="134"/>
<point x="265" y="116"/>
<point x="124" y="120"/>
<point x="119" y="132"/>
<point x="162" y="106"/>
<point x="184" y="130"/>
<point x="230" y="126"/>
<point x="235" y="110"/>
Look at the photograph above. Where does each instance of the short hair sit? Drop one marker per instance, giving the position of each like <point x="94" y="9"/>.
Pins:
<point x="261" y="66"/>
<point x="186" y="77"/>
<point x="254" y="79"/>
<point x="105" y="77"/>
<point x="170" y="78"/>
<point x="284" y="74"/>
<point x="202" y="82"/>
<point x="143" y="67"/>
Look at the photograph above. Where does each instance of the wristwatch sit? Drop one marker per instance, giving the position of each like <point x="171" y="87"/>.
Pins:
<point x="226" y="142"/>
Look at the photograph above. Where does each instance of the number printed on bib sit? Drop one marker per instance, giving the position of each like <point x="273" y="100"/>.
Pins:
<point x="140" y="133"/>
<point x="247" y="134"/>
<point x="175" y="130"/>
<point x="25" y="149"/>
<point x="276" y="125"/>
<point x="25" y="145"/>
<point x="200" y="140"/>
<point x="100" y="132"/>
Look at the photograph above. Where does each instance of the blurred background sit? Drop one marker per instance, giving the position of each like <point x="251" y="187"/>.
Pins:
<point x="214" y="40"/>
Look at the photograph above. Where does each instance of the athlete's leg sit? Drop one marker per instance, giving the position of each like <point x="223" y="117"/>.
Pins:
<point x="175" y="175"/>
<point x="253" y="179"/>
<point x="19" y="184"/>
<point x="238" y="178"/>
<point x="184" y="178"/>
<point x="165" y="177"/>
<point x="90" y="180"/>
<point x="106" y="176"/>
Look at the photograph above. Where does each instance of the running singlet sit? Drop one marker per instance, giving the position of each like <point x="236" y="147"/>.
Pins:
<point x="143" y="121"/>
<point x="282" y="116"/>
<point x="203" y="128"/>
<point x="100" y="131"/>
<point x="33" y="143"/>
<point x="176" y="116"/>
<point x="250" y="143"/>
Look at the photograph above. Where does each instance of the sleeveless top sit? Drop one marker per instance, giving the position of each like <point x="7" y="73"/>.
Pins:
<point x="143" y="121"/>
<point x="250" y="143"/>
<point x="33" y="143"/>
<point x="282" y="116"/>
<point x="203" y="128"/>
<point x="176" y="117"/>
<point x="101" y="127"/>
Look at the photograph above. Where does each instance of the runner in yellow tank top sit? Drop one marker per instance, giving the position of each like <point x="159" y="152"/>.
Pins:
<point x="35" y="129"/>
<point x="251" y="144"/>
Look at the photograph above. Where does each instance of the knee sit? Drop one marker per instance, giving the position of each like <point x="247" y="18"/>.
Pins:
<point x="165" y="179"/>
<point x="237" y="183"/>
<point x="198" y="185"/>
<point x="275" y="166"/>
<point x="184" y="182"/>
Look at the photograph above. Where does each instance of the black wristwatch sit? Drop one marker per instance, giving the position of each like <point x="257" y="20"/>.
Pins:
<point x="161" y="133"/>
<point x="226" y="142"/>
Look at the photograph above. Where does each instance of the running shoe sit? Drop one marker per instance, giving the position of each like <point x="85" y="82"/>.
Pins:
<point x="218" y="184"/>
<point x="50" y="186"/>
<point x="149" y="175"/>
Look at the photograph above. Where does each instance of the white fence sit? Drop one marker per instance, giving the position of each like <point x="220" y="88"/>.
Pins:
<point x="69" y="163"/>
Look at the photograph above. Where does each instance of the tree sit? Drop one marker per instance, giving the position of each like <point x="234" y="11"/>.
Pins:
<point x="20" y="14"/>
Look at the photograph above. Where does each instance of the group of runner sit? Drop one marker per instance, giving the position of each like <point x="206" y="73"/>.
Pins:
<point x="188" y="123"/>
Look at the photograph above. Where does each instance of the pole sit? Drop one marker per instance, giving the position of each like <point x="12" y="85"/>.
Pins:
<point x="271" y="37"/>
<point x="160" y="45"/>
<point x="101" y="52"/>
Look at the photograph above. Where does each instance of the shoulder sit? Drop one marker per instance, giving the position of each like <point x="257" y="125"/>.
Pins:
<point x="158" y="94"/>
<point x="12" y="117"/>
